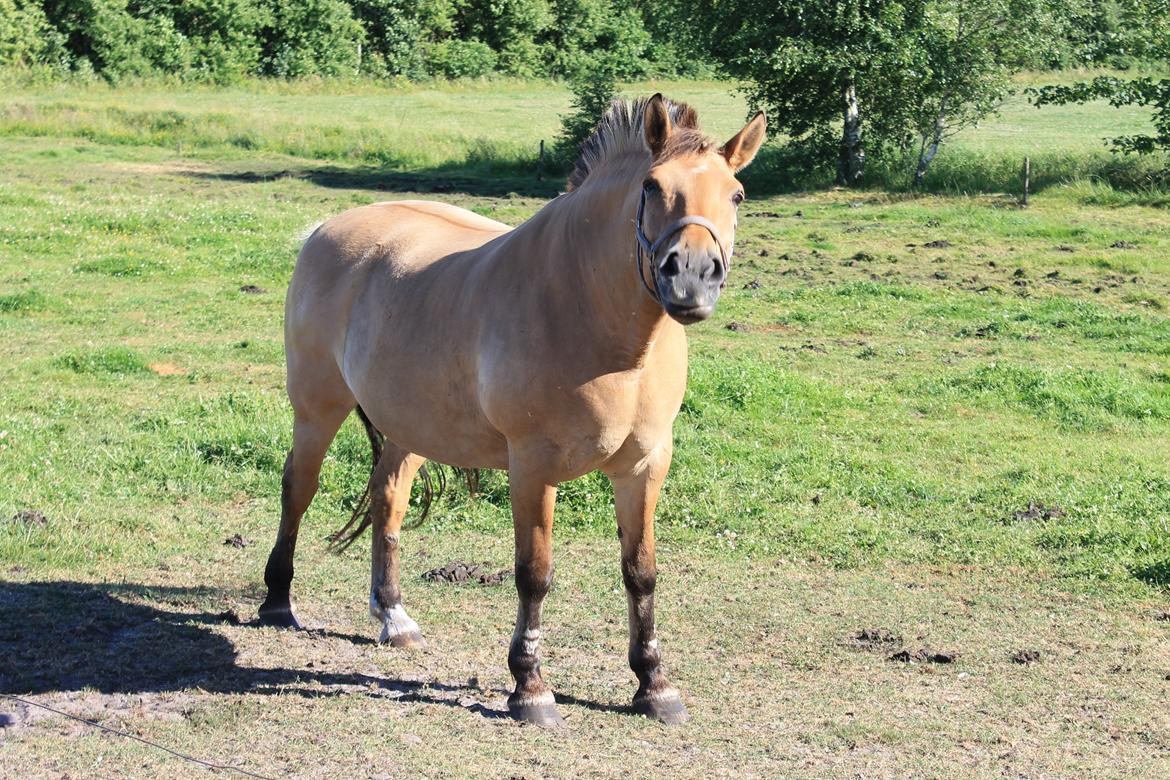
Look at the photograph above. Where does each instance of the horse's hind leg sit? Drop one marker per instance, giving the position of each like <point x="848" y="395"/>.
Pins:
<point x="389" y="499"/>
<point x="313" y="431"/>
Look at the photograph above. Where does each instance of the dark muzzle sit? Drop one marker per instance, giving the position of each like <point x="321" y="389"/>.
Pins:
<point x="686" y="284"/>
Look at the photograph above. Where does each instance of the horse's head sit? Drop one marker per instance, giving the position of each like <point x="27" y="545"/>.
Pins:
<point x="687" y="211"/>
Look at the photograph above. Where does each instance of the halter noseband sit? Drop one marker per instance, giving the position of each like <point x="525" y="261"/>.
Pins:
<point x="651" y="249"/>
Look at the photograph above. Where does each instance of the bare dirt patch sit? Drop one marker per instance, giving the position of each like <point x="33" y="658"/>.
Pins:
<point x="159" y="169"/>
<point x="167" y="369"/>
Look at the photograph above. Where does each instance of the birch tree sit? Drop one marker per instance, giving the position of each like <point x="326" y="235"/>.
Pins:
<point x="972" y="48"/>
<point x="832" y="74"/>
<point x="963" y="80"/>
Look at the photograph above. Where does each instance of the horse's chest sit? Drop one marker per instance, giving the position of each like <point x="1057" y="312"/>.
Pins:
<point x="585" y="424"/>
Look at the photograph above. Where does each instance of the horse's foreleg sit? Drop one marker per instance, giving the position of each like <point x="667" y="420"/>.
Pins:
<point x="390" y="497"/>
<point x="635" y="496"/>
<point x="532" y="513"/>
<point x="312" y="435"/>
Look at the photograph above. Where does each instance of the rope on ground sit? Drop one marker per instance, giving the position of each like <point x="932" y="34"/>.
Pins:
<point x="184" y="756"/>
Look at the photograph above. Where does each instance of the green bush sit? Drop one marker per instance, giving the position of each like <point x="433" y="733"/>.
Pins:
<point x="456" y="59"/>
<point x="222" y="36"/>
<point x="589" y="32"/>
<point x="26" y="37"/>
<point x="395" y="37"/>
<point x="226" y="40"/>
<point x="312" y="38"/>
<point x="104" y="36"/>
<point x="593" y="91"/>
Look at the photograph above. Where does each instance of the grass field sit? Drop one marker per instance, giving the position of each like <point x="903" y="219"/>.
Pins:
<point x="944" y="416"/>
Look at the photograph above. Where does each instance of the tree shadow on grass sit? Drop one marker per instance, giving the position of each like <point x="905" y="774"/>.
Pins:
<point x="769" y="176"/>
<point x="70" y="637"/>
<point x="467" y="180"/>
<point x="1156" y="574"/>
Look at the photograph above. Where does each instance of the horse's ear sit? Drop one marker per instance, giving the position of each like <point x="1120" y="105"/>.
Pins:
<point x="656" y="125"/>
<point x="742" y="148"/>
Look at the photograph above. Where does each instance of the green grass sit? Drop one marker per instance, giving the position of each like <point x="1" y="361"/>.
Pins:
<point x="868" y="422"/>
<point x="903" y="386"/>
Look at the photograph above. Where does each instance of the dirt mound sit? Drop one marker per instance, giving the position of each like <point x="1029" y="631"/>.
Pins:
<point x="924" y="655"/>
<point x="30" y="517"/>
<point x="1038" y="511"/>
<point x="458" y="572"/>
<point x="874" y="639"/>
<point x="1025" y="657"/>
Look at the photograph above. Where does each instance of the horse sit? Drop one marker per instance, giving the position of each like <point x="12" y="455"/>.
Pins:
<point x="552" y="350"/>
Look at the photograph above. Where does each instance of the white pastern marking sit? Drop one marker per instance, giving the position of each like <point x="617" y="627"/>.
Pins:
<point x="541" y="698"/>
<point x="395" y="621"/>
<point x="665" y="693"/>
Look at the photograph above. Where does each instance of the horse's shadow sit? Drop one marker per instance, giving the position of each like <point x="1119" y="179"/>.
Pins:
<point x="69" y="636"/>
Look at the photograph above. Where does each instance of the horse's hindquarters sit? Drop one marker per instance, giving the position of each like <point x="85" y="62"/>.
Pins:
<point x="380" y="300"/>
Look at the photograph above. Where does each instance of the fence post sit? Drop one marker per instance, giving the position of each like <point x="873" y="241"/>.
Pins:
<point x="1027" y="179"/>
<point x="540" y="165"/>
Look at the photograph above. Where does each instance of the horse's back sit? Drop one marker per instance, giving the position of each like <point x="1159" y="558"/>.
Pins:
<point x="403" y="233"/>
<point x="393" y="239"/>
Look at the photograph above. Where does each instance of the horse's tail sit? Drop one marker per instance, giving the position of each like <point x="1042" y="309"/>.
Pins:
<point x="361" y="518"/>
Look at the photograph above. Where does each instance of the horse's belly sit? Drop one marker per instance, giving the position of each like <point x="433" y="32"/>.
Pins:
<point x="442" y="433"/>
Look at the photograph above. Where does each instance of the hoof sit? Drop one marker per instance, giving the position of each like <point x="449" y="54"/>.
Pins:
<point x="411" y="640"/>
<point x="540" y="711"/>
<point x="279" y="617"/>
<point x="665" y="707"/>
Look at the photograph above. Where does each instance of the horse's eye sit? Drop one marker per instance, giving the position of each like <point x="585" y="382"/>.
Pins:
<point x="649" y="186"/>
<point x="737" y="198"/>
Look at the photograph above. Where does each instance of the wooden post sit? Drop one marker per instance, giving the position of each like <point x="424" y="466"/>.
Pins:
<point x="540" y="165"/>
<point x="1027" y="178"/>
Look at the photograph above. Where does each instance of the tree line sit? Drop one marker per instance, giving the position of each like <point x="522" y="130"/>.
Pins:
<point x="845" y="82"/>
<point x="225" y="40"/>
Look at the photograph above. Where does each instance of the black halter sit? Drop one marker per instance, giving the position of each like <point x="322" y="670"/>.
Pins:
<point x="651" y="249"/>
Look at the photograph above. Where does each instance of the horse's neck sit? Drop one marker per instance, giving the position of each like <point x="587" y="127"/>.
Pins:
<point x="585" y="250"/>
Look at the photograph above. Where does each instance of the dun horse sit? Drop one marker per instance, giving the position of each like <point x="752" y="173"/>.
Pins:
<point x="551" y="350"/>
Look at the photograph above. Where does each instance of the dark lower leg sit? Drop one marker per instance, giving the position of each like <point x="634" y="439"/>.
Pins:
<point x="635" y="496"/>
<point x="532" y="585"/>
<point x="312" y="435"/>
<point x="655" y="697"/>
<point x="532" y="507"/>
<point x="277" y="609"/>
<point x="390" y="497"/>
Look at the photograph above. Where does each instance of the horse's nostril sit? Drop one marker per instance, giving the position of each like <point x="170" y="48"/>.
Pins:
<point x="669" y="266"/>
<point x="713" y="272"/>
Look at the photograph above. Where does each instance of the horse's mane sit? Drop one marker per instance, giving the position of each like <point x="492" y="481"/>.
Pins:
<point x="620" y="132"/>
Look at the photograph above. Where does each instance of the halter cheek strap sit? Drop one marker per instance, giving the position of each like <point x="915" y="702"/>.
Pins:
<point x="645" y="247"/>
